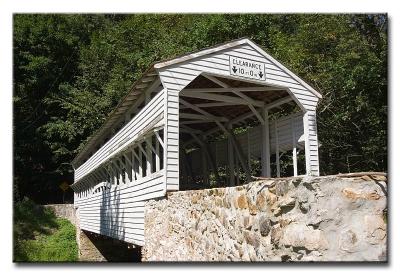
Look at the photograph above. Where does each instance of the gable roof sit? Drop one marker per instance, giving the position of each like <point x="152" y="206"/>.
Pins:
<point x="232" y="44"/>
<point x="145" y="82"/>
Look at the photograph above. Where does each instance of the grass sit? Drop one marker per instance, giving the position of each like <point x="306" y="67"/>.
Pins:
<point x="39" y="236"/>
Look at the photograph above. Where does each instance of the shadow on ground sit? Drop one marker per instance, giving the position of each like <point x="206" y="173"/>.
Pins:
<point x="114" y="250"/>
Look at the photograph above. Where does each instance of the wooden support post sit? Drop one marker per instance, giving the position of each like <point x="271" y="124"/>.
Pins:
<point x="294" y="145"/>
<point x="134" y="164"/>
<point x="306" y="143"/>
<point x="140" y="163"/>
<point x="311" y="142"/>
<point x="103" y="174"/>
<point x="157" y="154"/>
<point x="278" y="167"/>
<point x="119" y="169"/>
<point x="112" y="172"/>
<point x="114" y="175"/>
<point x="149" y="158"/>
<point x="109" y="173"/>
<point x="265" y="156"/>
<point x="128" y="166"/>
<point x="142" y="153"/>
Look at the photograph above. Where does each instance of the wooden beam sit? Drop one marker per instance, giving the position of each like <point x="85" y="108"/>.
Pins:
<point x="246" y="116"/>
<point x="201" y="111"/>
<point x="229" y="89"/>
<point x="222" y="98"/>
<point x="257" y="114"/>
<point x="279" y="102"/>
<point x="127" y="164"/>
<point x="150" y="144"/>
<point x="209" y="105"/>
<point x="247" y="98"/>
<point x="127" y="158"/>
<point x="120" y="171"/>
<point x="141" y="153"/>
<point x="157" y="155"/>
<point x="188" y="130"/>
<point x="110" y="172"/>
<point x="116" y="171"/>
<point x="216" y="80"/>
<point x="251" y="103"/>
<point x="188" y="122"/>
<point x="140" y="163"/>
<point x="149" y="157"/>
<point x="142" y="150"/>
<point x="159" y="139"/>
<point x="200" y="117"/>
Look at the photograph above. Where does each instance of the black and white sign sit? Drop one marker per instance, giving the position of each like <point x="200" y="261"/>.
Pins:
<point x="246" y="68"/>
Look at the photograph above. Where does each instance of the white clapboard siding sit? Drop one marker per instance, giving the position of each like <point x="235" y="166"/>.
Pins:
<point x="255" y="139"/>
<point x="177" y="76"/>
<point x="284" y="124"/>
<point x="130" y="224"/>
<point x="218" y="63"/>
<point x="150" y="114"/>
<point x="118" y="212"/>
<point x="119" y="193"/>
<point x="310" y="124"/>
<point x="284" y="129"/>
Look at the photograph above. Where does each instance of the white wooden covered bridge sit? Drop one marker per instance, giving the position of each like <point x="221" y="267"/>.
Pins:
<point x="202" y="117"/>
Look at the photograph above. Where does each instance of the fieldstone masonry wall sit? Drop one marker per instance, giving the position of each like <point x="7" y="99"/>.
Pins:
<point x="66" y="211"/>
<point x="296" y="219"/>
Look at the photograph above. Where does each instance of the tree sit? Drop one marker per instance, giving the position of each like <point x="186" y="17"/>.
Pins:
<point x="70" y="71"/>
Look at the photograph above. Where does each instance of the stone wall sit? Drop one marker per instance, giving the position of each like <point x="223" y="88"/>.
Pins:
<point x="66" y="211"/>
<point x="296" y="219"/>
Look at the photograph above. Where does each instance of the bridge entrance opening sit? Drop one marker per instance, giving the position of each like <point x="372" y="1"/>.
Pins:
<point x="233" y="131"/>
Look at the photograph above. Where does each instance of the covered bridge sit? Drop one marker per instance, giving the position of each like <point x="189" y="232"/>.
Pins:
<point x="203" y="119"/>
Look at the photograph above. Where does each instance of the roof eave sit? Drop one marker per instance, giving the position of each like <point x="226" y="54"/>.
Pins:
<point x="110" y="116"/>
<point x="187" y="57"/>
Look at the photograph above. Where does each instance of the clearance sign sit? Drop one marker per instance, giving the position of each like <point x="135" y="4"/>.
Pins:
<point x="246" y="68"/>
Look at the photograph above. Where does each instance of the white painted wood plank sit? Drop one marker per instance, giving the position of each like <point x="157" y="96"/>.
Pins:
<point x="132" y="128"/>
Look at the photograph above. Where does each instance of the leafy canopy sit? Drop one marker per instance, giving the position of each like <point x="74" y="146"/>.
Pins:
<point x="70" y="71"/>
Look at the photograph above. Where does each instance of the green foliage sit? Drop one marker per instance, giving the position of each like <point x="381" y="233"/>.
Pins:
<point x="41" y="237"/>
<point x="70" y="71"/>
